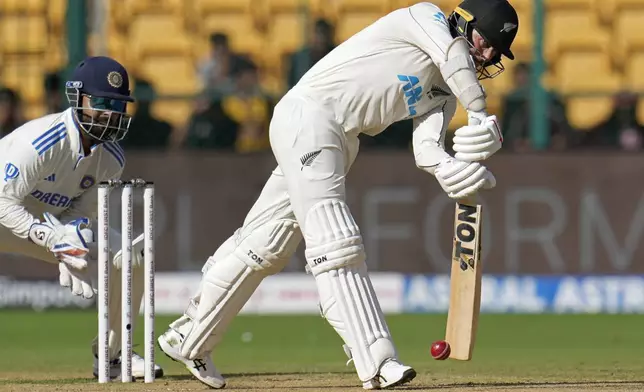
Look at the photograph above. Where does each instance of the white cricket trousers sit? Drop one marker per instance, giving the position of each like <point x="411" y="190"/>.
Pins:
<point x="313" y="153"/>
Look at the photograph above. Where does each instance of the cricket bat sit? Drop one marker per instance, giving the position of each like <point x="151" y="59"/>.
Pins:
<point x="465" y="280"/>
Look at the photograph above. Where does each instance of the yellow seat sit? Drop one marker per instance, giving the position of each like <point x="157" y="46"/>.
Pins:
<point x="175" y="111"/>
<point x="23" y="34"/>
<point x="170" y="75"/>
<point x="587" y="73"/>
<point x="587" y="112"/>
<point x="607" y="10"/>
<point x="117" y="46"/>
<point x="204" y="7"/>
<point x="628" y="35"/>
<point x="56" y="14"/>
<point x="277" y="6"/>
<point x="552" y="5"/>
<point x="523" y="5"/>
<point x="381" y="6"/>
<point x="33" y="7"/>
<point x="135" y="7"/>
<point x="350" y="24"/>
<point x="124" y="12"/>
<point x="573" y="30"/>
<point x="158" y="35"/>
<point x="240" y="28"/>
<point x="287" y="33"/>
<point x="523" y="43"/>
<point x="447" y="6"/>
<point x="633" y="71"/>
<point x="56" y="55"/>
<point x="270" y="8"/>
<point x="25" y="76"/>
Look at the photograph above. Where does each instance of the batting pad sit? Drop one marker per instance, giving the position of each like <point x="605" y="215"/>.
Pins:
<point x="228" y="283"/>
<point x="348" y="301"/>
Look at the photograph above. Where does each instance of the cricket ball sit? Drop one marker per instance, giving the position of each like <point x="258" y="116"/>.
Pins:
<point x="440" y="350"/>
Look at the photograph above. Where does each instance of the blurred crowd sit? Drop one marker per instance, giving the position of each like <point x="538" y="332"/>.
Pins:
<point x="233" y="111"/>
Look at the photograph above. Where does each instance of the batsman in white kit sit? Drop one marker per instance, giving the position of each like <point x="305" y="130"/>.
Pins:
<point x="48" y="190"/>
<point x="412" y="63"/>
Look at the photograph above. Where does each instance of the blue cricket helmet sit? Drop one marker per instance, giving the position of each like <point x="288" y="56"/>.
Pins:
<point x="106" y="84"/>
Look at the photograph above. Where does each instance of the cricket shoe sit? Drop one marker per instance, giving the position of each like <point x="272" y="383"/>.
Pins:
<point x="138" y="367"/>
<point x="202" y="368"/>
<point x="392" y="374"/>
<point x="115" y="368"/>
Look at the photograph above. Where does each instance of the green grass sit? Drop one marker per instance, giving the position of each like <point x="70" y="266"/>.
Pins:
<point x="510" y="348"/>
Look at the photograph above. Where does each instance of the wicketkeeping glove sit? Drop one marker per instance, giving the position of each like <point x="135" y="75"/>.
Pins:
<point x="78" y="281"/>
<point x="70" y="240"/>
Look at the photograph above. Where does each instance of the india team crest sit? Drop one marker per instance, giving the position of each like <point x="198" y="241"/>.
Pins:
<point x="115" y="79"/>
<point x="87" y="182"/>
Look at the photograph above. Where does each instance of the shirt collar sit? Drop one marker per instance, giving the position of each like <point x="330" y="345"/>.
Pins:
<point x="74" y="134"/>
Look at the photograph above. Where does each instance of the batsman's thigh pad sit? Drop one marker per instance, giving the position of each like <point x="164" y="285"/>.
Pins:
<point x="228" y="283"/>
<point x="336" y="258"/>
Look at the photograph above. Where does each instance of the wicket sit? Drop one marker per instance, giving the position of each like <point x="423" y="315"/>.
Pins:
<point x="104" y="267"/>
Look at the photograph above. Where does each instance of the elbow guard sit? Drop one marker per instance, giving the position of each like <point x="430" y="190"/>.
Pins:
<point x="459" y="73"/>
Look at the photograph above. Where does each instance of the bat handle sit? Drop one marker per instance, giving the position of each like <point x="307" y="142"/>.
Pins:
<point x="471" y="199"/>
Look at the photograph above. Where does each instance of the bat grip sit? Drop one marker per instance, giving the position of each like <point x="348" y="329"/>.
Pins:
<point x="469" y="200"/>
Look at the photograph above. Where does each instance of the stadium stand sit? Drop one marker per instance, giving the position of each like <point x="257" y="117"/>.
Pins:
<point x="601" y="46"/>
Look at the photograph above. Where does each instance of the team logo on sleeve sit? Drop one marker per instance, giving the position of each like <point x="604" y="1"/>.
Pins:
<point x="87" y="182"/>
<point x="11" y="172"/>
<point x="440" y="18"/>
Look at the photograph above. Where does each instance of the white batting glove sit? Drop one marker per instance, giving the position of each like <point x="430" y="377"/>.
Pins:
<point x="70" y="240"/>
<point x="461" y="179"/>
<point x="78" y="281"/>
<point x="478" y="142"/>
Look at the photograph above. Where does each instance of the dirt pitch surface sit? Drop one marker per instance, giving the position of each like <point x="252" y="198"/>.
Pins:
<point x="309" y="383"/>
<point x="50" y="351"/>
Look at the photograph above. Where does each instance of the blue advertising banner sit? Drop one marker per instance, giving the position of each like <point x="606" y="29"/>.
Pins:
<point x="532" y="294"/>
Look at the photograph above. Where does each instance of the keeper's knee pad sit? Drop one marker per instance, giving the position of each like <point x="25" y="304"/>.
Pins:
<point x="336" y="257"/>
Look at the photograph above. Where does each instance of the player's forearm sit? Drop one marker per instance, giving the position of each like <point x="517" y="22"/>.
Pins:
<point x="15" y="217"/>
<point x="429" y="135"/>
<point x="428" y="155"/>
<point x="428" y="144"/>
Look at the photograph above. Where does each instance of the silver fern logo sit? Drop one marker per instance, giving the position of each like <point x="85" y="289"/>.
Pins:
<point x="308" y="158"/>
<point x="507" y="27"/>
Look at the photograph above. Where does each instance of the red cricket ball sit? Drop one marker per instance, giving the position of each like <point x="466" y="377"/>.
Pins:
<point x="440" y="350"/>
